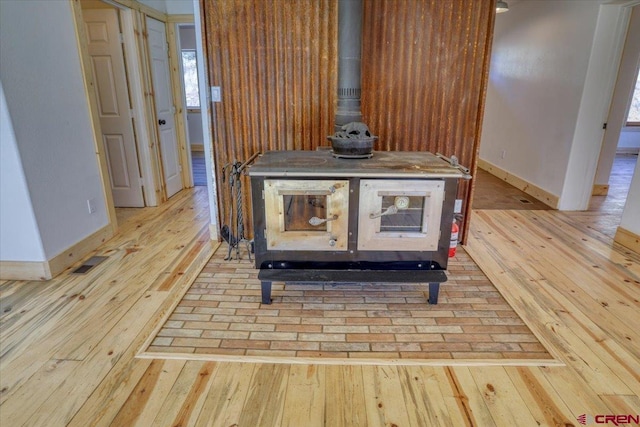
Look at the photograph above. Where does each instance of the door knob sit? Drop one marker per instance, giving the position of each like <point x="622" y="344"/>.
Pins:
<point x="162" y="122"/>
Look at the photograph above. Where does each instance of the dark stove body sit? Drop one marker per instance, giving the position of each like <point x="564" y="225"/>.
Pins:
<point x="358" y="236"/>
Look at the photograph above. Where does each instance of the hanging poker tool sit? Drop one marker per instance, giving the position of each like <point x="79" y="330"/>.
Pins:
<point x="233" y="232"/>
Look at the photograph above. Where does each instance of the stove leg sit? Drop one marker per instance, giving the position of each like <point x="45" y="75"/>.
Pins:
<point x="434" y="288"/>
<point x="266" y="292"/>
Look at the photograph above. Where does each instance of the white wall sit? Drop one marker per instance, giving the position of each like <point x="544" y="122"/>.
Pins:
<point x="538" y="67"/>
<point x="41" y="75"/>
<point x="631" y="215"/>
<point x="19" y="236"/>
<point x="629" y="140"/>
<point x="159" y="5"/>
<point x="194" y="125"/>
<point x="540" y="95"/>
<point x="608" y="43"/>
<point x="187" y="35"/>
<point x="207" y="126"/>
<point x="171" y="7"/>
<point x="179" y="7"/>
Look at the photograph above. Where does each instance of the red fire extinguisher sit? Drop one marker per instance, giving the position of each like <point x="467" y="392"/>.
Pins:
<point x="453" y="244"/>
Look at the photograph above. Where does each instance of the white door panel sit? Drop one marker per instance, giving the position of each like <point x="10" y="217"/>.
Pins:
<point x="116" y="160"/>
<point x="110" y="84"/>
<point x="164" y="106"/>
<point x="163" y="101"/>
<point x="106" y="86"/>
<point x="170" y="156"/>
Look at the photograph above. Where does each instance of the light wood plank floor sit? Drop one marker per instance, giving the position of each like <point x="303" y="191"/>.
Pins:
<point x="199" y="168"/>
<point x="68" y="345"/>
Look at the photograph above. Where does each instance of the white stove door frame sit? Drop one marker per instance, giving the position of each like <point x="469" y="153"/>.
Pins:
<point x="334" y="238"/>
<point x="370" y="236"/>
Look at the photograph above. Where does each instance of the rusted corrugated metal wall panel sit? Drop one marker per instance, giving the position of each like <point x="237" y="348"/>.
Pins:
<point x="275" y="63"/>
<point x="423" y="76"/>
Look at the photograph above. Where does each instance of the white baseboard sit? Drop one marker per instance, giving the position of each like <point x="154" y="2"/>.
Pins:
<point x="213" y="233"/>
<point x="533" y="190"/>
<point x="600" y="190"/>
<point x="24" y="270"/>
<point x="46" y="270"/>
<point x="628" y="239"/>
<point x="628" y="150"/>
<point x="76" y="252"/>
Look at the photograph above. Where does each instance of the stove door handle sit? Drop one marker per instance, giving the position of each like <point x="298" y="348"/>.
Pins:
<point x="317" y="221"/>
<point x="393" y="209"/>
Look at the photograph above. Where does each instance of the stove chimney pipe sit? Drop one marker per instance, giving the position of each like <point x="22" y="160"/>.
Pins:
<point x="349" y="54"/>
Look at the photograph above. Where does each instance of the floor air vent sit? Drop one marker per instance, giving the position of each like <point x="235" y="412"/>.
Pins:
<point x="522" y="200"/>
<point x="89" y="264"/>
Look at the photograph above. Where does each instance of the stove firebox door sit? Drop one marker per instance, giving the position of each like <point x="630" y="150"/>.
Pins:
<point x="400" y="215"/>
<point x="303" y="215"/>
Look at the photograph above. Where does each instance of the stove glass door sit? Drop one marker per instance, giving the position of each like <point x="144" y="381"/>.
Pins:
<point x="400" y="215"/>
<point x="306" y="214"/>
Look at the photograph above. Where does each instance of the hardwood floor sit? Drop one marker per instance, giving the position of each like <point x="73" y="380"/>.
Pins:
<point x="605" y="212"/>
<point x="492" y="192"/>
<point x="619" y="182"/>
<point x="68" y="346"/>
<point x="199" y="168"/>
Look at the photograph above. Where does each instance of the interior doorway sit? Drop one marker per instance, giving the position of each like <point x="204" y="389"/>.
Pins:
<point x="611" y="198"/>
<point x="148" y="106"/>
<point x="188" y="55"/>
<point x="164" y="106"/>
<point x="608" y="209"/>
<point x="621" y="140"/>
<point x="104" y="42"/>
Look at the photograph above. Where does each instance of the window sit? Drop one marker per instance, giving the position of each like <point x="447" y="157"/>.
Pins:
<point x="190" y="70"/>
<point x="633" y="119"/>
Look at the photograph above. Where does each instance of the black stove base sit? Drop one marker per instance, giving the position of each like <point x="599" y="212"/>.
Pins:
<point x="432" y="277"/>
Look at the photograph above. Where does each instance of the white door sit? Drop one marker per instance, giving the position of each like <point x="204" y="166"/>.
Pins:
<point x="164" y="106"/>
<point x="105" y="48"/>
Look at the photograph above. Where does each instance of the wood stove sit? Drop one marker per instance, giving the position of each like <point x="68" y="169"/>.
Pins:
<point x="386" y="219"/>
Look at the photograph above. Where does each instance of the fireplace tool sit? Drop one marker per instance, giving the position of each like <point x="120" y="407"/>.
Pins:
<point x="233" y="233"/>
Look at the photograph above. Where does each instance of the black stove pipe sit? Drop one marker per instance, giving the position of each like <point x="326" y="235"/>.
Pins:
<point x="349" y="54"/>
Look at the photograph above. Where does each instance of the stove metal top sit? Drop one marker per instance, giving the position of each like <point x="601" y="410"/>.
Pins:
<point x="396" y="164"/>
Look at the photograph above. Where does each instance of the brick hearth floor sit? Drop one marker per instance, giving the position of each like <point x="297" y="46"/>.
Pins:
<point x="221" y="314"/>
